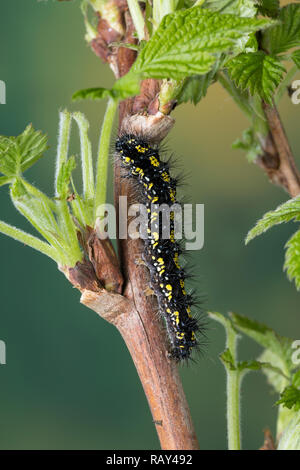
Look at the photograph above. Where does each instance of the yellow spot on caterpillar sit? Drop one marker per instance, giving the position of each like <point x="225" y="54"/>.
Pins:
<point x="169" y="287"/>
<point x="155" y="236"/>
<point x="165" y="177"/>
<point x="172" y="195"/>
<point x="154" y="161"/>
<point x="175" y="259"/>
<point x="141" y="149"/>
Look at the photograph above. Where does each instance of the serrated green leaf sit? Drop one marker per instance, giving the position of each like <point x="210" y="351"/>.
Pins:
<point x="250" y="144"/>
<point x="292" y="259"/>
<point x="64" y="177"/>
<point x="280" y="346"/>
<point x="290" y="398"/>
<point x="258" y="72"/>
<point x="17" y="154"/>
<point x="296" y="58"/>
<point x="284" y="213"/>
<point x="243" y="8"/>
<point x="186" y="41"/>
<point x="269" y="8"/>
<point x="285" y="35"/>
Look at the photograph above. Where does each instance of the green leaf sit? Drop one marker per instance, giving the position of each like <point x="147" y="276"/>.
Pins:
<point x="290" y="398"/>
<point x="92" y="94"/>
<point x="186" y="42"/>
<point x="195" y="88"/>
<point x="4" y="180"/>
<point x="292" y="259"/>
<point x="250" y="144"/>
<point x="227" y="359"/>
<point x="243" y="8"/>
<point x="290" y="438"/>
<point x="269" y="8"/>
<point x="277" y="380"/>
<point x="253" y="365"/>
<point x="280" y="346"/>
<point x="64" y="177"/>
<point x="285" y="35"/>
<point x="284" y="213"/>
<point x="126" y="86"/>
<point x="296" y="58"/>
<point x="17" y="154"/>
<point x="296" y="379"/>
<point x="258" y="72"/>
<point x="38" y="213"/>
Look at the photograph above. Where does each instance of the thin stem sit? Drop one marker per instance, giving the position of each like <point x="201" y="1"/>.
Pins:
<point x="233" y="410"/>
<point x="29" y="240"/>
<point x="86" y="156"/>
<point x="289" y="176"/>
<point x="103" y="156"/>
<point x="63" y="143"/>
<point x="137" y="18"/>
<point x="233" y="394"/>
<point x="73" y="253"/>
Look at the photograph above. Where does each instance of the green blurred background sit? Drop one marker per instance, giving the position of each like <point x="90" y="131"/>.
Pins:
<point x="69" y="382"/>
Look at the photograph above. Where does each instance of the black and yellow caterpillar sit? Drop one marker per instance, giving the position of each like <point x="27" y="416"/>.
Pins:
<point x="142" y="162"/>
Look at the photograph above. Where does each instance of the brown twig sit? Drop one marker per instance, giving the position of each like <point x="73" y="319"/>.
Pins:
<point x="134" y="312"/>
<point x="278" y="161"/>
<point x="268" y="441"/>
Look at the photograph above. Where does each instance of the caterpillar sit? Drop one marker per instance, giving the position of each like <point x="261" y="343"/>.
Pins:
<point x="142" y="163"/>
